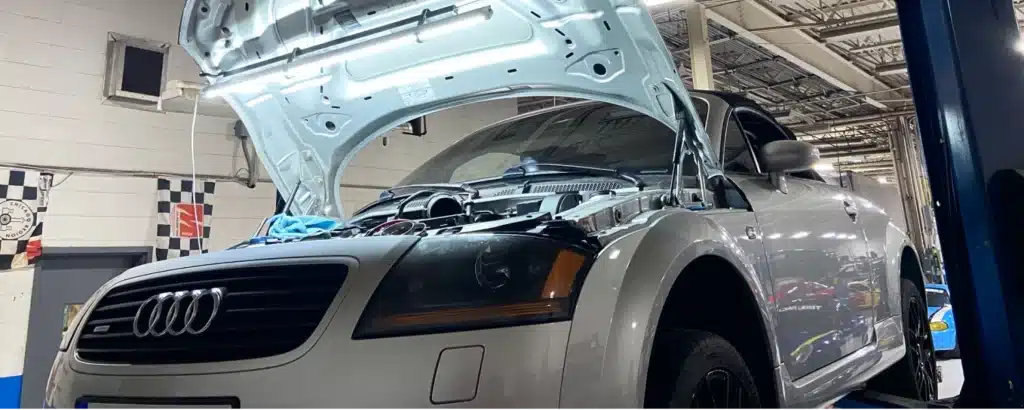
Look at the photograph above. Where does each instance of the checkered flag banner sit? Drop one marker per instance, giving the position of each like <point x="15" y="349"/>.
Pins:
<point x="23" y="201"/>
<point x="183" y="227"/>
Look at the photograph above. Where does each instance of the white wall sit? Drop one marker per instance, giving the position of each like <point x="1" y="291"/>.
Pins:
<point x="52" y="59"/>
<point x="15" y="295"/>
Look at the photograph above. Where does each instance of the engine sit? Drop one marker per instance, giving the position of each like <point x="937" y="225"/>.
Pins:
<point x="577" y="213"/>
<point x="429" y="210"/>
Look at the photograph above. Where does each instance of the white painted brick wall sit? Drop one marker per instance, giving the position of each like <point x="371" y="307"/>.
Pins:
<point x="15" y="296"/>
<point x="51" y="114"/>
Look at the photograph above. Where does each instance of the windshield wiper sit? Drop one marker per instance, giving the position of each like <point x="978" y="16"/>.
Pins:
<point x="528" y="169"/>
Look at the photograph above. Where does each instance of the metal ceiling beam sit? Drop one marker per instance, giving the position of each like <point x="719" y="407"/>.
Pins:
<point x="877" y="46"/>
<point x="899" y="67"/>
<point x="865" y="164"/>
<point x="858" y="29"/>
<point x="836" y="146"/>
<point x="847" y="6"/>
<point x="799" y="48"/>
<point x="828" y="23"/>
<point x="700" y="50"/>
<point x="825" y="126"/>
<point x="839" y="153"/>
<point x="888" y="168"/>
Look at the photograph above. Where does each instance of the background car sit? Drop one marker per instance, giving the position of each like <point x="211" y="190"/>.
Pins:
<point x="941" y="322"/>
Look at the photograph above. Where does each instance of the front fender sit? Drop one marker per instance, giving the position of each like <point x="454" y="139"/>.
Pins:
<point x="895" y="242"/>
<point x="621" y="302"/>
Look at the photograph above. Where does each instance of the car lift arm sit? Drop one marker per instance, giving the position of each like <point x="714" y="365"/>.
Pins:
<point x="968" y="86"/>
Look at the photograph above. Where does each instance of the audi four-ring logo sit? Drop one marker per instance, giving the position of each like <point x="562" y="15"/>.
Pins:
<point x="177" y="313"/>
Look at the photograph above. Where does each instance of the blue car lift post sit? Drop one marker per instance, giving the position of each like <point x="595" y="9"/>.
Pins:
<point x="968" y="87"/>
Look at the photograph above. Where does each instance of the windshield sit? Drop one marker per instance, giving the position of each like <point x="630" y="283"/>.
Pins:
<point x="936" y="298"/>
<point x="589" y="134"/>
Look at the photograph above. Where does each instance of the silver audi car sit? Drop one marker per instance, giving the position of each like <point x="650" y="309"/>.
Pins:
<point x="649" y="247"/>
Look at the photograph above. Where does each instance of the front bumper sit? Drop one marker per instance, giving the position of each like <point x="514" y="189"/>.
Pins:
<point x="504" y="367"/>
<point x="508" y="367"/>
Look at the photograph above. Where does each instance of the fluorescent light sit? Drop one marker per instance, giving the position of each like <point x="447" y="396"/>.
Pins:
<point x="800" y="235"/>
<point x="256" y="79"/>
<point x="775" y="236"/>
<point x="824" y="167"/>
<point x="828" y="235"/>
<point x="883" y="180"/>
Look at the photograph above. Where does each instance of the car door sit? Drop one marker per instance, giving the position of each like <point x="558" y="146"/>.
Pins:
<point x="815" y="249"/>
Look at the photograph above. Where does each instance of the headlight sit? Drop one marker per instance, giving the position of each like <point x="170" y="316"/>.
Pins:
<point x="938" y="326"/>
<point x="475" y="281"/>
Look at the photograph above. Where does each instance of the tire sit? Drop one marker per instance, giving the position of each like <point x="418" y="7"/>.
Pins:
<point x="696" y="369"/>
<point x="915" y="376"/>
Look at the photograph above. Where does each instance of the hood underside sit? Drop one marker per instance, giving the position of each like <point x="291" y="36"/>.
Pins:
<point x="316" y="80"/>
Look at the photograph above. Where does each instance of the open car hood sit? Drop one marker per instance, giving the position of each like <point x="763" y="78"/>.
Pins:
<point x="316" y="80"/>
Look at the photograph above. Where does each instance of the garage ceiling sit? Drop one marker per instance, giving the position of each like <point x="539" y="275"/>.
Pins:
<point x="832" y="70"/>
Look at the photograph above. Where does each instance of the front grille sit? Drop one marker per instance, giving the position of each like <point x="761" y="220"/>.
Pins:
<point x="265" y="311"/>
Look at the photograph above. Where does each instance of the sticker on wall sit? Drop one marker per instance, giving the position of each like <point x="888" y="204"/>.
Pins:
<point x="183" y="226"/>
<point x="23" y="201"/>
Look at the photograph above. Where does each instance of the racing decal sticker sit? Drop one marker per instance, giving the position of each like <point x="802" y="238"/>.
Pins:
<point x="183" y="226"/>
<point x="23" y="201"/>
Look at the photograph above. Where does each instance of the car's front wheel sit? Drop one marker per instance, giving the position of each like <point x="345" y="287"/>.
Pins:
<point x="701" y="370"/>
<point x="916" y="375"/>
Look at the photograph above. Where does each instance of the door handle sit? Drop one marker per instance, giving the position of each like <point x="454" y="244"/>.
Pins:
<point x="850" y="207"/>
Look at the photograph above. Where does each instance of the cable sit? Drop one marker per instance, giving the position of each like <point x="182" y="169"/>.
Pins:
<point x="62" y="180"/>
<point x="200" y="229"/>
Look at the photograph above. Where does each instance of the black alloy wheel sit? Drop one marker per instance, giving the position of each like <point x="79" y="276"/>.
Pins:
<point x="697" y="369"/>
<point x="719" y="389"/>
<point x="916" y="375"/>
<point x="921" y="352"/>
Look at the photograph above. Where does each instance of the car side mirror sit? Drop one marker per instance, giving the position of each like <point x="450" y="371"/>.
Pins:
<point x="781" y="157"/>
<point x="789" y="156"/>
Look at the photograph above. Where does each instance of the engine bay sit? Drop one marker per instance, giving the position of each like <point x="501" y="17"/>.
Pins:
<point x="432" y="211"/>
<point x="577" y="210"/>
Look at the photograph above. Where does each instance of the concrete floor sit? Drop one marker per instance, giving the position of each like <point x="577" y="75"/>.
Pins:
<point x="952" y="378"/>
